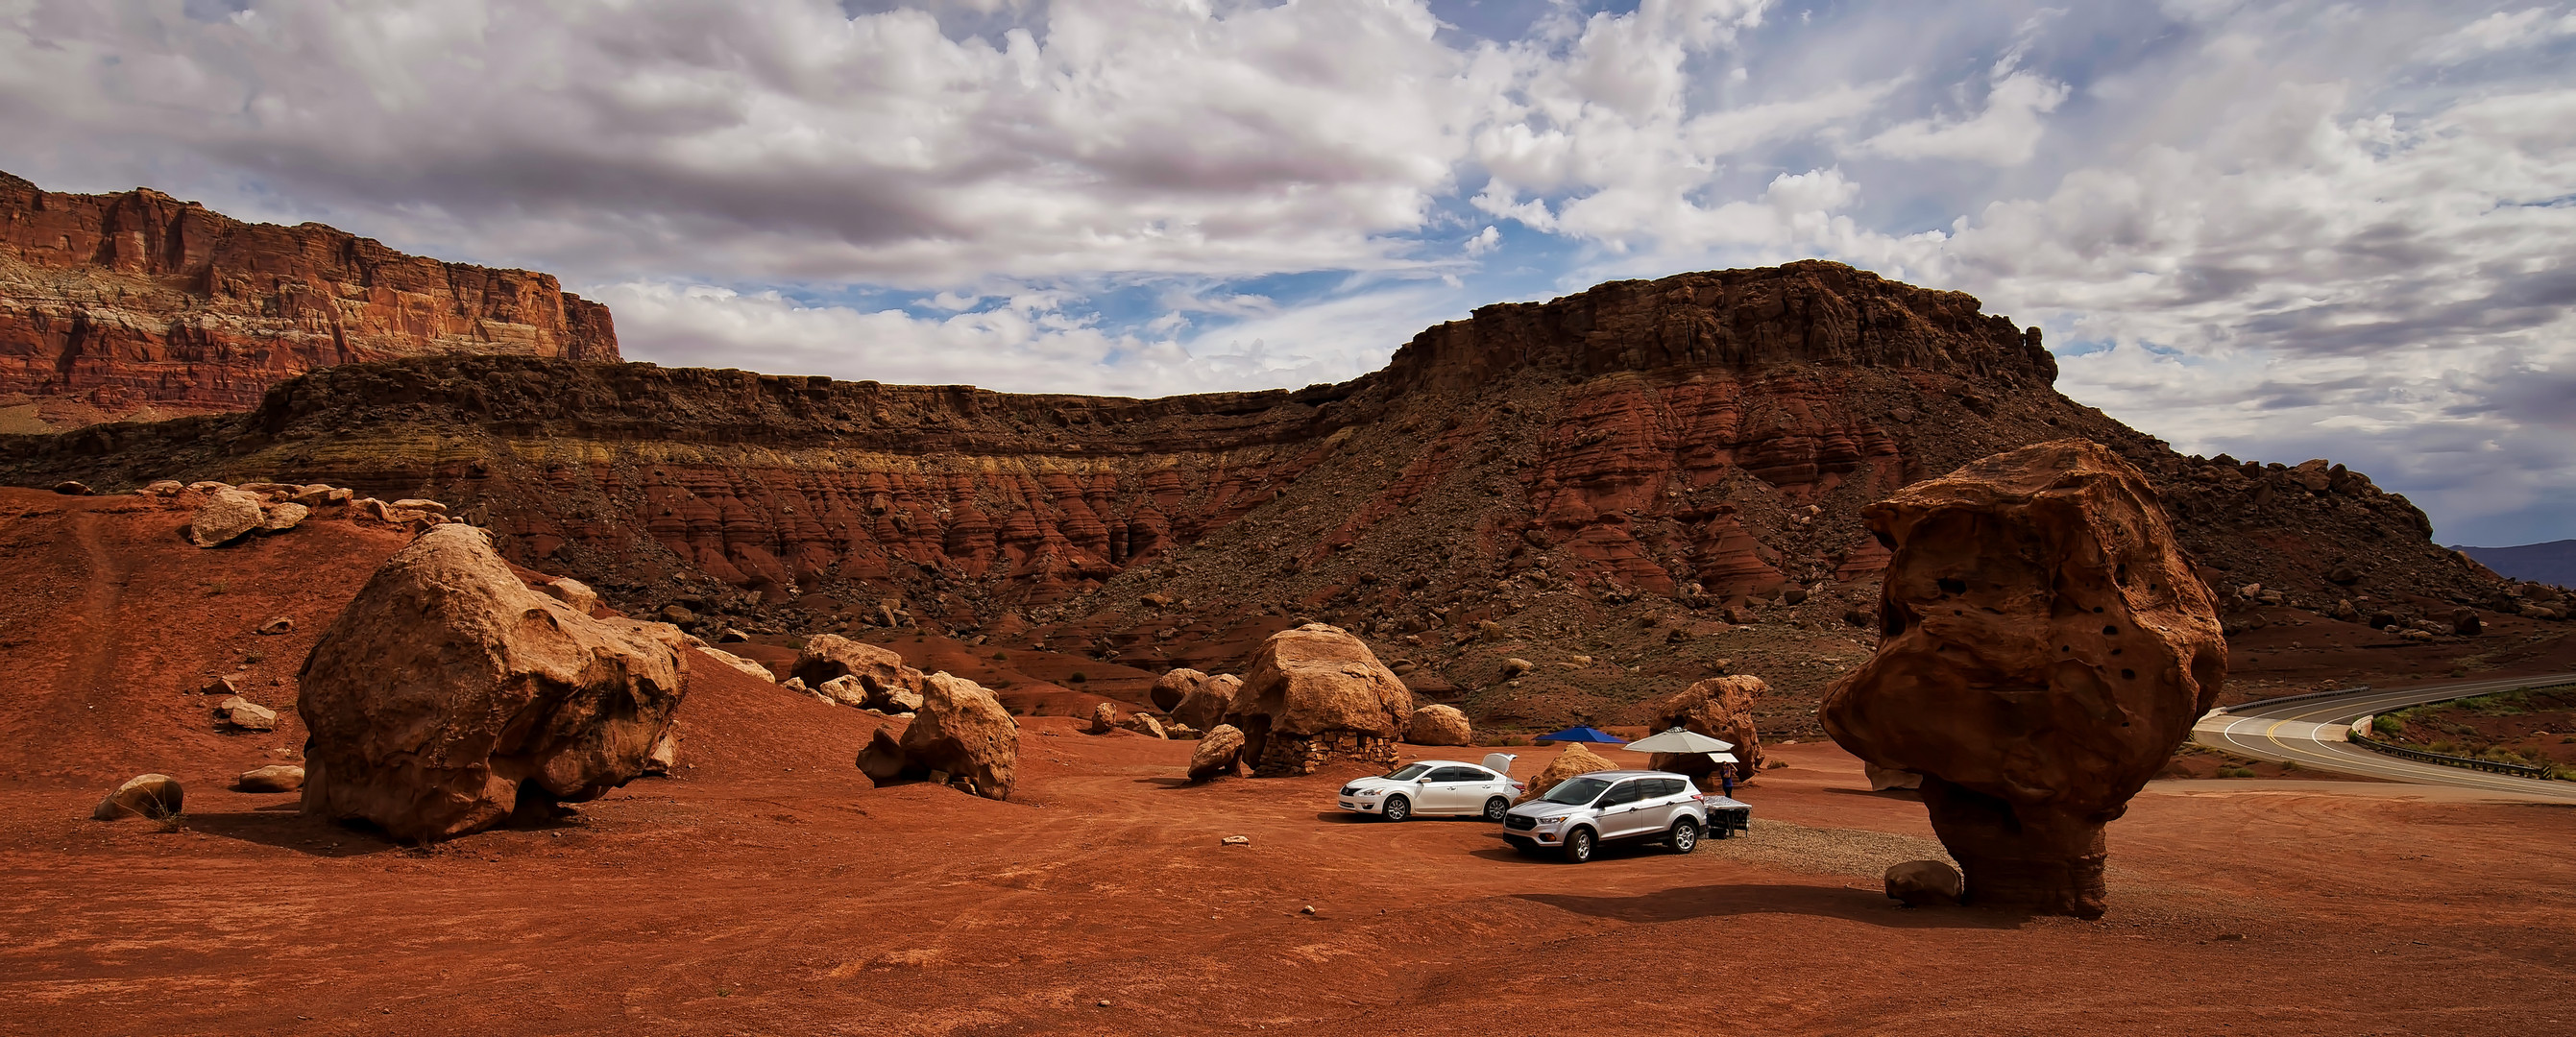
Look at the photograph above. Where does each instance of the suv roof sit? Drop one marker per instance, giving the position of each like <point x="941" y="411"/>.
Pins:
<point x="1618" y="774"/>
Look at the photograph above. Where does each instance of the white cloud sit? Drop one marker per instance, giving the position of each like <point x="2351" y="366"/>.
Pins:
<point x="2006" y="133"/>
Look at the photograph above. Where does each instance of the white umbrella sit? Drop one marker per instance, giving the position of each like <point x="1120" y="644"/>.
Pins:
<point x="1679" y="741"/>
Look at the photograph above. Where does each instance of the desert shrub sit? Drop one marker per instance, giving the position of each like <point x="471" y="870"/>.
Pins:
<point x="2388" y="725"/>
<point x="1076" y="678"/>
<point x="1001" y="657"/>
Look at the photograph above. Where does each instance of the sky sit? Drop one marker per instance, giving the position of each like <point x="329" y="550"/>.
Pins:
<point x="2278" y="230"/>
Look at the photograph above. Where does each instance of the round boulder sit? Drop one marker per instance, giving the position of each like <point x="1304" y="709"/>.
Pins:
<point x="1720" y="708"/>
<point x="1205" y="703"/>
<point x="1573" y="761"/>
<point x="1315" y="694"/>
<point x="1218" y="754"/>
<point x="149" y="795"/>
<point x="960" y="730"/>
<point x="1437" y="724"/>
<point x="1924" y="884"/>
<point x="226" y="515"/>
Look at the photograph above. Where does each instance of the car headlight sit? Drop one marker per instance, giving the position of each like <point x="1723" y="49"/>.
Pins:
<point x="1370" y="792"/>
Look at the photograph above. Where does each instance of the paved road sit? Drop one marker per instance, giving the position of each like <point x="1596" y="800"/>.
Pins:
<point x="2309" y="733"/>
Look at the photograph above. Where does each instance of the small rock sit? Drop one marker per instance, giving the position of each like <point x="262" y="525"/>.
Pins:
<point x="219" y="686"/>
<point x="1219" y="754"/>
<point x="1516" y="667"/>
<point x="147" y="795"/>
<point x="280" y="625"/>
<point x="1143" y="725"/>
<point x="1740" y="616"/>
<point x="572" y="592"/>
<point x="1306" y="910"/>
<point x="72" y="488"/>
<point x="732" y="636"/>
<point x="678" y="615"/>
<point x="283" y="517"/>
<point x="420" y="504"/>
<point x="243" y="714"/>
<point x="1924" y="883"/>
<point x="165" y="488"/>
<point x="273" y="778"/>
<point x="1235" y="840"/>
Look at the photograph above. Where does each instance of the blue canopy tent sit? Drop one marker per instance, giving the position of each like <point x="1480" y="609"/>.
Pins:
<point x="1580" y="734"/>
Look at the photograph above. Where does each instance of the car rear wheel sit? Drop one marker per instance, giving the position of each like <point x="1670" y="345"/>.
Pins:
<point x="1397" y="808"/>
<point x="1496" y="807"/>
<point x="1685" y="837"/>
<point x="1579" y="845"/>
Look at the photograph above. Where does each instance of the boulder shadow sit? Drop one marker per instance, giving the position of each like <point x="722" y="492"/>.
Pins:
<point x="1907" y="795"/>
<point x="1689" y="902"/>
<point x="286" y="827"/>
<point x="1170" y="782"/>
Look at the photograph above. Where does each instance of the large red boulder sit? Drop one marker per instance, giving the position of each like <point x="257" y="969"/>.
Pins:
<point x="961" y="735"/>
<point x="448" y="695"/>
<point x="2045" y="647"/>
<point x="1721" y="708"/>
<point x="1316" y="694"/>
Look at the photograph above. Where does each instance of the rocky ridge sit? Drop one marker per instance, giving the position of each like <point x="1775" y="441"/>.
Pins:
<point x="1637" y="487"/>
<point x="141" y="305"/>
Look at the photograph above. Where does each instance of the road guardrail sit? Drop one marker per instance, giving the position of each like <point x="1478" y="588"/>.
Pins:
<point x="2240" y="708"/>
<point x="2447" y="760"/>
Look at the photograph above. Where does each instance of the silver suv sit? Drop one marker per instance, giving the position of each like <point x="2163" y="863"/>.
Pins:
<point x="1581" y="813"/>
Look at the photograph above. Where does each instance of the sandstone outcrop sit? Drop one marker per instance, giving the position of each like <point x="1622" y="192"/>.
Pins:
<point x="961" y="731"/>
<point x="1721" y="708"/>
<point x="1315" y="694"/>
<point x="153" y="796"/>
<point x="449" y="695"/>
<point x="1218" y="754"/>
<point x="272" y="778"/>
<point x="2045" y="646"/>
<point x="120" y="304"/>
<point x="1204" y="706"/>
<point x="1437" y="724"/>
<point x="1575" y="760"/>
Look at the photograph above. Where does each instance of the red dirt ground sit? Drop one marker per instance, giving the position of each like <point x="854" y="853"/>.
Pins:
<point x="768" y="889"/>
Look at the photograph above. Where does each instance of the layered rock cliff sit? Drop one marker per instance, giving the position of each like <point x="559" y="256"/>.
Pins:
<point x="1644" y="463"/>
<point x="138" y="303"/>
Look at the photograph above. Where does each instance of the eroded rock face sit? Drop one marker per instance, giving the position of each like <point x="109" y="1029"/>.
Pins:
<point x="1721" y="708"/>
<point x="1218" y="754"/>
<point x="448" y="695"/>
<point x="1573" y="761"/>
<point x="2045" y="647"/>
<point x="1206" y="702"/>
<point x="1437" y="724"/>
<point x="139" y="301"/>
<point x="1314" y="694"/>
<point x="963" y="731"/>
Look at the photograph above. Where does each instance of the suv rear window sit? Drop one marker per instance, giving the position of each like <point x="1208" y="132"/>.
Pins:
<point x="1669" y="786"/>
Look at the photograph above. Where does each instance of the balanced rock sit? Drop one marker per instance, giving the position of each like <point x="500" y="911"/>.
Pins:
<point x="1437" y="724"/>
<point x="2046" y="646"/>
<point x="224" y="517"/>
<point x="1205" y="704"/>
<point x="1314" y="694"/>
<point x="272" y="778"/>
<point x="1573" y="761"/>
<point x="1721" y="708"/>
<point x="961" y="735"/>
<point x="1218" y="754"/>
<point x="1924" y="883"/>
<point x="146" y="795"/>
<point x="1173" y="687"/>
<point x="448" y="695"/>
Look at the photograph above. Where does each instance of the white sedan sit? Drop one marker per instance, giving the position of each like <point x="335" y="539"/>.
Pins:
<point x="1446" y="787"/>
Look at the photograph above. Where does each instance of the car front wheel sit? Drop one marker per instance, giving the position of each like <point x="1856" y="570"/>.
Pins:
<point x="1397" y="808"/>
<point x="1578" y="846"/>
<point x="1685" y="837"/>
<point x="1496" y="807"/>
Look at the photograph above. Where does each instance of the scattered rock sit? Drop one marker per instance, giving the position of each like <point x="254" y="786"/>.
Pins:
<point x="164" y="488"/>
<point x="1218" y="754"/>
<point x="1887" y="779"/>
<point x="1235" y="840"/>
<point x="1721" y="708"/>
<point x="844" y="690"/>
<point x="219" y="686"/>
<point x="154" y="796"/>
<point x="279" y="625"/>
<point x="1205" y="704"/>
<point x="1172" y="688"/>
<point x="72" y="488"/>
<point x="1315" y="693"/>
<point x="1437" y="724"/>
<point x="743" y="666"/>
<point x="448" y="695"/>
<point x="224" y="517"/>
<point x="419" y="504"/>
<point x="890" y="685"/>
<point x="1924" y="884"/>
<point x="1143" y="725"/>
<point x="665" y="753"/>
<point x="962" y="736"/>
<point x="2050" y="646"/>
<point x="1740" y="615"/>
<point x="732" y="636"/>
<point x="1517" y="667"/>
<point x="284" y="516"/>
<point x="1573" y="761"/>
<point x="2464" y="622"/>
<point x="272" y="778"/>
<point x="1104" y="718"/>
<point x="243" y="714"/>
<point x="573" y="593"/>
<point x="678" y="615"/>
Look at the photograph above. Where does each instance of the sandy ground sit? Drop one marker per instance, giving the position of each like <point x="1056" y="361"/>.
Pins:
<point x="767" y="889"/>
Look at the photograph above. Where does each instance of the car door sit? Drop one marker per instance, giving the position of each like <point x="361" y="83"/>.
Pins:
<point x="1454" y="790"/>
<point x="1655" y="812"/>
<point x="1618" y="808"/>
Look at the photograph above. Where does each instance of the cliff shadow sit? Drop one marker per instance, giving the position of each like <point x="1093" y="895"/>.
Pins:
<point x="1864" y="906"/>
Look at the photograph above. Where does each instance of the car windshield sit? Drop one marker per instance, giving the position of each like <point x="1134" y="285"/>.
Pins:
<point x="1408" y="772"/>
<point x="1574" y="791"/>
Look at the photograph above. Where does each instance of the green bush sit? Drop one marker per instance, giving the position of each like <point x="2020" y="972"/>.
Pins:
<point x="2388" y="725"/>
<point x="1077" y="677"/>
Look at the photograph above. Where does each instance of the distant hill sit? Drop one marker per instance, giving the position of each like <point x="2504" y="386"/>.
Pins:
<point x="2553" y="562"/>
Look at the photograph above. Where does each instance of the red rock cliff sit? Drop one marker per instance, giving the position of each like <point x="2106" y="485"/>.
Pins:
<point x="138" y="303"/>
